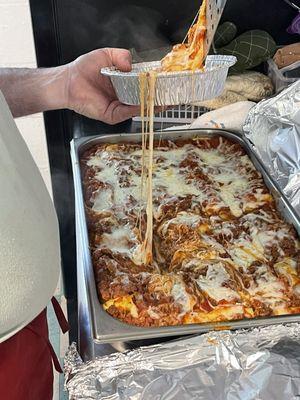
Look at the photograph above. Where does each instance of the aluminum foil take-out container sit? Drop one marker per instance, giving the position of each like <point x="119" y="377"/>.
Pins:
<point x="173" y="88"/>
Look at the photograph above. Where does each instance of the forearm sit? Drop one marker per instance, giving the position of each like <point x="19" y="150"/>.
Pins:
<point x="28" y="91"/>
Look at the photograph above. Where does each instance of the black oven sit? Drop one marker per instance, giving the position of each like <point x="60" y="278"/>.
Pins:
<point x="65" y="29"/>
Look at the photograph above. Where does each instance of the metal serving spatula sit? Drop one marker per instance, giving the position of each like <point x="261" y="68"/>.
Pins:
<point x="214" y="10"/>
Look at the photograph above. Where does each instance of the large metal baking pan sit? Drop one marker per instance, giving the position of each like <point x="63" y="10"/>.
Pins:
<point x="106" y="329"/>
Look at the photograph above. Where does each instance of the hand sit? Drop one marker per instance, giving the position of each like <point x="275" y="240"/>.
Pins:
<point x="92" y="94"/>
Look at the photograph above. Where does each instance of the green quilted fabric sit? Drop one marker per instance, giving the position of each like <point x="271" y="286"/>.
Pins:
<point x="225" y="33"/>
<point x="251" y="49"/>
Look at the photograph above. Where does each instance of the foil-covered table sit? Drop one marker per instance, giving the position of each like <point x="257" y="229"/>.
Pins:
<point x="259" y="364"/>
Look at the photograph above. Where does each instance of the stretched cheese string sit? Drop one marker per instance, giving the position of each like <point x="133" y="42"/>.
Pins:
<point x="149" y="210"/>
<point x="189" y="56"/>
<point x="147" y="244"/>
<point x="192" y="24"/>
<point x="143" y="82"/>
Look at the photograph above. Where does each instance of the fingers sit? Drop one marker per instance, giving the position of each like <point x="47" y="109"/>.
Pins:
<point x="161" y="109"/>
<point x="117" y="112"/>
<point x="120" y="58"/>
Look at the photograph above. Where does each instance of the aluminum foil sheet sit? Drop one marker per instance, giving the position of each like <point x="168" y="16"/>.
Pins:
<point x="257" y="364"/>
<point x="273" y="126"/>
<point x="173" y="88"/>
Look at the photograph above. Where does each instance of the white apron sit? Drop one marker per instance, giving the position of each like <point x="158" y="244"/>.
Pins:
<point x="29" y="239"/>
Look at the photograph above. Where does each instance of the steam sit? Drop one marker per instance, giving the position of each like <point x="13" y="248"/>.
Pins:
<point x="89" y="25"/>
<point x="135" y="26"/>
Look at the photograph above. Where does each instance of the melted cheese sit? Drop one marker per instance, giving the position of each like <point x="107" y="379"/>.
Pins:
<point x="261" y="239"/>
<point x="118" y="240"/>
<point x="146" y="246"/>
<point x="212" y="283"/>
<point x="257" y="246"/>
<point x="151" y="312"/>
<point x="103" y="200"/>
<point x="260" y="199"/>
<point x="174" y="184"/>
<point x="244" y="253"/>
<point x="181" y="297"/>
<point x="245" y="160"/>
<point x="211" y="157"/>
<point x="232" y="188"/>
<point x="95" y="161"/>
<point x="288" y="268"/>
<point x="266" y="286"/>
<point x="169" y="182"/>
<point x="120" y="195"/>
<point x="260" y="215"/>
<point x="182" y="218"/>
<point x="185" y="218"/>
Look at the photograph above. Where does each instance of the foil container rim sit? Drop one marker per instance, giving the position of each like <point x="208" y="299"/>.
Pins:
<point x="217" y="62"/>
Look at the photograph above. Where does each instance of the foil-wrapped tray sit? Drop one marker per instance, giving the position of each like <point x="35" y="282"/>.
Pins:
<point x="259" y="364"/>
<point x="273" y="126"/>
<point x="173" y="88"/>
<point x="105" y="328"/>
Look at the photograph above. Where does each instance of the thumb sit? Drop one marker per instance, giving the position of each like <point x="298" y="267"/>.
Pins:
<point x="120" y="58"/>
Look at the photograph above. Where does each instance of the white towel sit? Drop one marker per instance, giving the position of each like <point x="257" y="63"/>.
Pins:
<point x="230" y="117"/>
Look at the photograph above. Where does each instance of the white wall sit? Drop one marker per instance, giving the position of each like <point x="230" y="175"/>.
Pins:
<point x="17" y="50"/>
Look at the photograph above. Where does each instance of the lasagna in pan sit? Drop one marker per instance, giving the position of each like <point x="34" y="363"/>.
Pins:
<point x="221" y="251"/>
